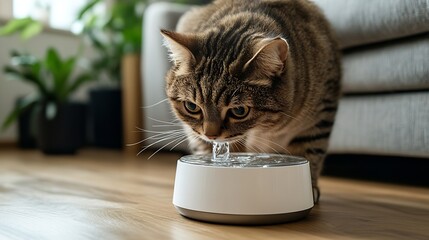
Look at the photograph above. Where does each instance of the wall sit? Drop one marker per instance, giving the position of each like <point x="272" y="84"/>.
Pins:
<point x="66" y="43"/>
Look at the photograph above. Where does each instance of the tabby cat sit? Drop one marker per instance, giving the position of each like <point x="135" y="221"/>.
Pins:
<point x="263" y="75"/>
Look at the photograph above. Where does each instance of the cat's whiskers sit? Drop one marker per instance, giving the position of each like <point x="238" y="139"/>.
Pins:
<point x="155" y="104"/>
<point x="158" y="136"/>
<point x="239" y="143"/>
<point x="150" y="131"/>
<point x="256" y="149"/>
<point x="264" y="141"/>
<point x="171" y="142"/>
<point x="242" y="142"/>
<point x="287" y="115"/>
<point x="183" y="139"/>
<point x="174" y="122"/>
<point x="163" y="125"/>
<point x="167" y="134"/>
<point x="305" y="116"/>
<point x="194" y="138"/>
<point x="174" y="137"/>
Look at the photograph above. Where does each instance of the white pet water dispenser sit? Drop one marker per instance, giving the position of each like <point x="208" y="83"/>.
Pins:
<point x="243" y="188"/>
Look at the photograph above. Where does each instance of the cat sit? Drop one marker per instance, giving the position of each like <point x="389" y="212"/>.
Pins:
<point x="262" y="75"/>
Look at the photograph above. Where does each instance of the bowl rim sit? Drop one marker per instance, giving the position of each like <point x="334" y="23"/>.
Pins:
<point x="206" y="160"/>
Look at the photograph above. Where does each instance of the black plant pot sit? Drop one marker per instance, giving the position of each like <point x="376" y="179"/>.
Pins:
<point x="105" y="110"/>
<point x="26" y="139"/>
<point x="65" y="133"/>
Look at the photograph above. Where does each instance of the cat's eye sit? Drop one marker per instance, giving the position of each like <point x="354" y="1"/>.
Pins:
<point x="240" y="112"/>
<point x="192" y="107"/>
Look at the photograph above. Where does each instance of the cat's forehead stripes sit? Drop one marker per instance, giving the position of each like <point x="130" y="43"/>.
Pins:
<point x="216" y="91"/>
<point x="221" y="48"/>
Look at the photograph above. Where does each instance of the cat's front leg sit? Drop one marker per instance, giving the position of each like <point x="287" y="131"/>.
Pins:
<point x="313" y="147"/>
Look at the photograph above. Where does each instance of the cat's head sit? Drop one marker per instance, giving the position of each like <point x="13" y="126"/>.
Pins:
<point x="223" y="86"/>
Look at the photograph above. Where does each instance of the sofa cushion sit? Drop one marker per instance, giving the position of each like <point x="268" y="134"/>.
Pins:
<point x="358" y="22"/>
<point x="389" y="124"/>
<point x="393" y="66"/>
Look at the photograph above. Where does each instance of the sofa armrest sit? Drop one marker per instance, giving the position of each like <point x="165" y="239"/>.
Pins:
<point x="155" y="62"/>
<point x="358" y="22"/>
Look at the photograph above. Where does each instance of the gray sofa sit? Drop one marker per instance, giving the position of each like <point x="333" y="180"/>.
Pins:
<point x="385" y="105"/>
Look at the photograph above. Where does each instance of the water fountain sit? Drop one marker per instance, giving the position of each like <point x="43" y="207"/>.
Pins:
<point x="243" y="188"/>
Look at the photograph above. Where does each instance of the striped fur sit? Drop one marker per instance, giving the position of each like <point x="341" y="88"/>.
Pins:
<point x="278" y="57"/>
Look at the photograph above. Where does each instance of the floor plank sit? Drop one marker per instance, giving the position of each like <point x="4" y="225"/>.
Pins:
<point x="107" y="195"/>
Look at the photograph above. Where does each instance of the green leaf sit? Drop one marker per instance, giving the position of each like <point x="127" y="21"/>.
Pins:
<point x="79" y="81"/>
<point x="11" y="118"/>
<point x="54" y="65"/>
<point x="86" y="8"/>
<point x="69" y="65"/>
<point x="26" y="102"/>
<point x="17" y="74"/>
<point x="30" y="75"/>
<point x="31" y="30"/>
<point x="14" y="26"/>
<point x="116" y="32"/>
<point x="35" y="69"/>
<point x="65" y="73"/>
<point x="52" y="59"/>
<point x="97" y="43"/>
<point x="91" y="23"/>
<point x="132" y="39"/>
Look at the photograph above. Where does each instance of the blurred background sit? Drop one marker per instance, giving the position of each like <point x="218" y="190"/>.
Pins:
<point x="63" y="68"/>
<point x="76" y="73"/>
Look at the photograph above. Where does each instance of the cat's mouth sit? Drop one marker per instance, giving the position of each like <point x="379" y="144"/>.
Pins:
<point x="229" y="139"/>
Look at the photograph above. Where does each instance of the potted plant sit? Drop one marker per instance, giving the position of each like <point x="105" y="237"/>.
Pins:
<point x="27" y="28"/>
<point x="117" y="36"/>
<point x="114" y="33"/>
<point x="59" y="122"/>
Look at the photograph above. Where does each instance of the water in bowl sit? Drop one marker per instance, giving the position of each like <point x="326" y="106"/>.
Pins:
<point x="221" y="157"/>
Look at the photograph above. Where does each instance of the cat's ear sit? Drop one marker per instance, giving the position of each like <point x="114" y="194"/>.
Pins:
<point x="179" y="46"/>
<point x="269" y="57"/>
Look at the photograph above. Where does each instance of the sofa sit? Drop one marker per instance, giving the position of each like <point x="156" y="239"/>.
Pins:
<point x="384" y="109"/>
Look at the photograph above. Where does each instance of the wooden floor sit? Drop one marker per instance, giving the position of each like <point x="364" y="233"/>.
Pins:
<point x="104" y="195"/>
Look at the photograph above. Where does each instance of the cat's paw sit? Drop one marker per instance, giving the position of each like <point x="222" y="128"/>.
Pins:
<point x="316" y="195"/>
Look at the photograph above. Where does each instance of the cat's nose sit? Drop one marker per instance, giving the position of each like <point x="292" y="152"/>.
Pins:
<point x="212" y="130"/>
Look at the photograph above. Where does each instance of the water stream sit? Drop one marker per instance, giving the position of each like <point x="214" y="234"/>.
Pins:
<point x="220" y="151"/>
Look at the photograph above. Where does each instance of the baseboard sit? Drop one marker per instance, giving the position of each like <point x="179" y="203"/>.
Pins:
<point x="399" y="170"/>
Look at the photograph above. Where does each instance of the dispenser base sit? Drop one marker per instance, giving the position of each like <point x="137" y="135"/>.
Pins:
<point x="235" y="219"/>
